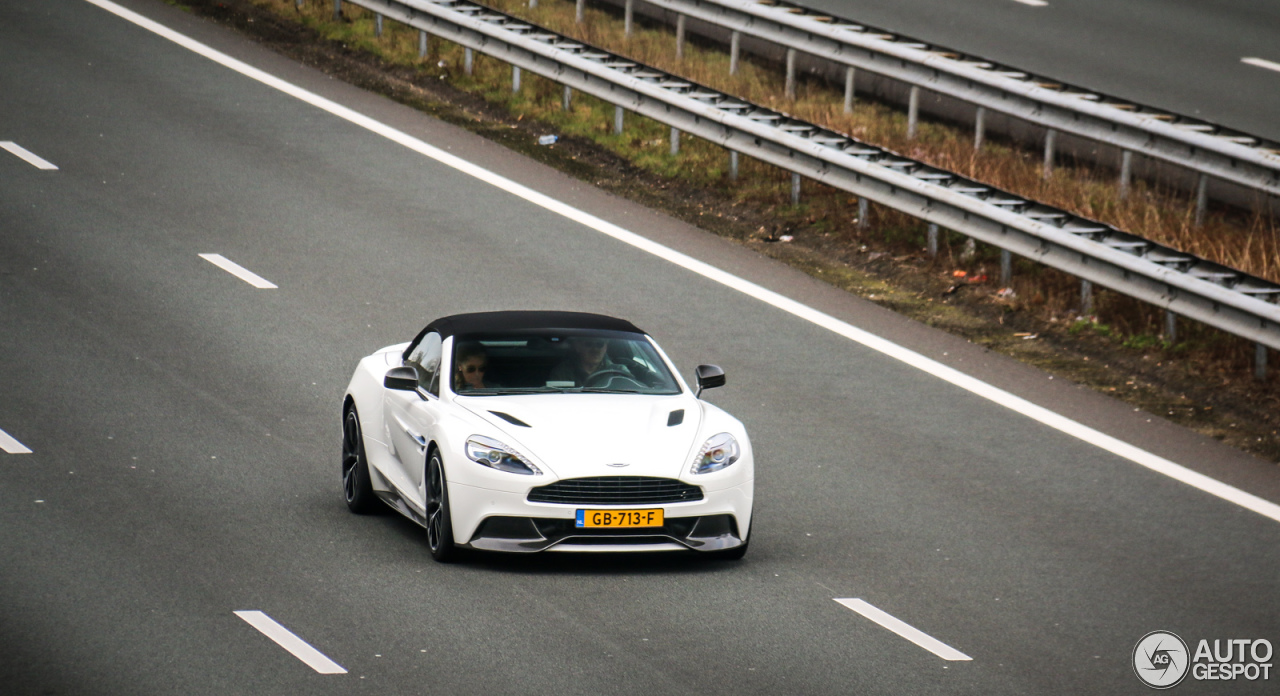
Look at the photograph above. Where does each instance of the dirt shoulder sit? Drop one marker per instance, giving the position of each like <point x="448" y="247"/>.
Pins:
<point x="1221" y="400"/>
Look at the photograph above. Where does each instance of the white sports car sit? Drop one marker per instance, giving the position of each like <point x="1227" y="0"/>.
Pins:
<point x="545" y="431"/>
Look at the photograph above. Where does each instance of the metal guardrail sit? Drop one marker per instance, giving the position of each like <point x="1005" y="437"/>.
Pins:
<point x="1195" y="144"/>
<point x="1184" y="284"/>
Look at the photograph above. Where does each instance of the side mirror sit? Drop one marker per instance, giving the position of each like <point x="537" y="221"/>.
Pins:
<point x="709" y="377"/>
<point x="402" y="378"/>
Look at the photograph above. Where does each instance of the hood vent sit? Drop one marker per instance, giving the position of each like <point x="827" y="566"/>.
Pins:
<point x="676" y="417"/>
<point x="512" y="419"/>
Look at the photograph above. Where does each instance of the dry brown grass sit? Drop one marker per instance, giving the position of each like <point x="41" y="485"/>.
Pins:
<point x="1246" y="242"/>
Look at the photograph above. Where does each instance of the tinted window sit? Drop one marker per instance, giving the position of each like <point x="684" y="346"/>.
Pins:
<point x="559" y="361"/>
<point x="426" y="357"/>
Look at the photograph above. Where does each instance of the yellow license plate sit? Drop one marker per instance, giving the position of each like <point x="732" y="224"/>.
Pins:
<point x="619" y="518"/>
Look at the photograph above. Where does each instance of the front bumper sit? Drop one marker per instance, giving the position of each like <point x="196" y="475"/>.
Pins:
<point x="501" y="521"/>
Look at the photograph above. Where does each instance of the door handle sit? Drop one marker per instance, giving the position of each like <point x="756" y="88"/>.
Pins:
<point x="422" y="441"/>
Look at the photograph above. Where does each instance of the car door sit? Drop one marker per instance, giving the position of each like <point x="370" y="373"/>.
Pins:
<point x="411" y="418"/>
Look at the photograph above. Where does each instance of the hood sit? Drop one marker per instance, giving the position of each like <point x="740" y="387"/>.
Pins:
<point x="582" y="434"/>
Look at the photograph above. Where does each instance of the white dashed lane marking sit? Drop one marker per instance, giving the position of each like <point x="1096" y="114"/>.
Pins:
<point x="1261" y="63"/>
<point x="30" y="157"/>
<point x="12" y="446"/>
<point x="238" y="271"/>
<point x="905" y="630"/>
<point x="296" y="646"/>
<point x="1033" y="3"/>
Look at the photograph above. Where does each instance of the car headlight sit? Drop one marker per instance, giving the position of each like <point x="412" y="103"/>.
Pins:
<point x="495" y="455"/>
<point x="719" y="451"/>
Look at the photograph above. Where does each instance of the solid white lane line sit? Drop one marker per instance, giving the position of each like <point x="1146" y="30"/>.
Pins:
<point x="12" y="446"/>
<point x="285" y="638"/>
<point x="905" y="630"/>
<point x="238" y="271"/>
<point x="1259" y="62"/>
<point x="31" y="158"/>
<point x="786" y="304"/>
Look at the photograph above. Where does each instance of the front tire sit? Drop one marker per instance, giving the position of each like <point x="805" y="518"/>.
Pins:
<point x="439" y="521"/>
<point x="357" y="489"/>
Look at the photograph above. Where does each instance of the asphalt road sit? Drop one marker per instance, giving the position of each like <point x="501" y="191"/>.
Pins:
<point x="184" y="428"/>
<point x="1182" y="55"/>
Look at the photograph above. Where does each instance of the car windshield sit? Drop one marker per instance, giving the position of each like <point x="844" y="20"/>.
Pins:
<point x="558" y="361"/>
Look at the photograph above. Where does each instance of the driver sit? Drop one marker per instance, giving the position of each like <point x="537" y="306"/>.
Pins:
<point x="471" y="361"/>
<point x="589" y="355"/>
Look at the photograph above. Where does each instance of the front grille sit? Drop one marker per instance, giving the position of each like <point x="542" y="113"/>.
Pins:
<point x="616" y="490"/>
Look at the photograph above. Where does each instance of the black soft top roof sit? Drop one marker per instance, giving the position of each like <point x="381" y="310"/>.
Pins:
<point x="496" y="322"/>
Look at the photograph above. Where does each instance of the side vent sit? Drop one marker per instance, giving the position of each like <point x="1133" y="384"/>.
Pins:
<point x="676" y="417"/>
<point x="511" y="419"/>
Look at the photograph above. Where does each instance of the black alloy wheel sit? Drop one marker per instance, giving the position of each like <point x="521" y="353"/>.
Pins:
<point x="357" y="489"/>
<point x="439" y="521"/>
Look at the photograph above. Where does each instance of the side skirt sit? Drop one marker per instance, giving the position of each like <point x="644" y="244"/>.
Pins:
<point x="391" y="496"/>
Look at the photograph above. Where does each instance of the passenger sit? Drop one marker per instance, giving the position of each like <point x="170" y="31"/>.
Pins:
<point x="589" y="356"/>
<point x="471" y="361"/>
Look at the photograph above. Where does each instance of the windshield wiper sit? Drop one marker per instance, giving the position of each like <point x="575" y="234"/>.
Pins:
<point x="602" y="390"/>
<point x="497" y="391"/>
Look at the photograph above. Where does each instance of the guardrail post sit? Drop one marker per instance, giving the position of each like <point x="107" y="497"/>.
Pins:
<point x="377" y="26"/>
<point x="1260" y="361"/>
<point x="337" y="10"/>
<point x="1086" y="298"/>
<point x="791" y="73"/>
<point x="848" y="89"/>
<point x="979" y="127"/>
<point x="628" y="17"/>
<point x="1202" y="198"/>
<point x="675" y="141"/>
<point x="864" y="212"/>
<point x="617" y="120"/>
<point x="680" y="20"/>
<point x="566" y="102"/>
<point x="580" y="11"/>
<point x="735" y="46"/>
<point x="1049" y="138"/>
<point x="424" y="47"/>
<point x="1006" y="268"/>
<point x="795" y="189"/>
<point x="913" y="112"/>
<point x="515" y="79"/>
<point x="1170" y="327"/>
<point x="1126" y="173"/>
<point x="733" y="165"/>
<point x="933" y="240"/>
<point x="468" y="61"/>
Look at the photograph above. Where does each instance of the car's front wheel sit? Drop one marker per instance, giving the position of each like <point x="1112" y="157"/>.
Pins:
<point x="357" y="489"/>
<point x="439" y="521"/>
